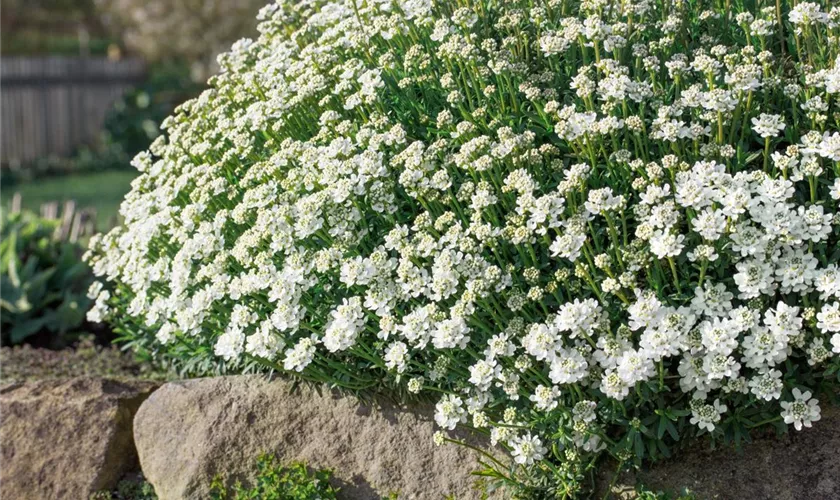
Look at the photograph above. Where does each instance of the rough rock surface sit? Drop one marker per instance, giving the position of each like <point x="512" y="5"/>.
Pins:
<point x="799" y="466"/>
<point x="66" y="439"/>
<point x="187" y="432"/>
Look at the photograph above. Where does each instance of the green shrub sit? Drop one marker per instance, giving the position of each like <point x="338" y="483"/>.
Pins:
<point x="43" y="281"/>
<point x="276" y="482"/>
<point x="588" y="227"/>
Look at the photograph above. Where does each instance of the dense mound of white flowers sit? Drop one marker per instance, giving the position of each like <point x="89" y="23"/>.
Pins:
<point x="584" y="227"/>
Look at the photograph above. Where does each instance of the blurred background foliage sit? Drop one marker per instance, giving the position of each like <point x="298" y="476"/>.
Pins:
<point x="132" y="123"/>
<point x="55" y="27"/>
<point x="190" y="31"/>
<point x="43" y="280"/>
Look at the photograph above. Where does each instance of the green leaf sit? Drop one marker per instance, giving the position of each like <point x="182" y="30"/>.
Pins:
<point x="660" y="431"/>
<point x="672" y="430"/>
<point x="753" y="156"/>
<point x="11" y="261"/>
<point x="639" y="446"/>
<point x="26" y="328"/>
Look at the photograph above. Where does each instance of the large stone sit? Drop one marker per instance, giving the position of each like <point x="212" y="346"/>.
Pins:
<point x="187" y="432"/>
<point x="801" y="465"/>
<point x="67" y="439"/>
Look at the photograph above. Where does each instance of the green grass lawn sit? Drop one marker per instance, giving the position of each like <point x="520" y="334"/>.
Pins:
<point x="101" y="190"/>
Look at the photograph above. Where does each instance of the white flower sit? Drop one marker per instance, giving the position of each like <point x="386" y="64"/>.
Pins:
<point x="483" y="372"/>
<point x="720" y="100"/>
<point x="499" y="346"/>
<point x="263" y="342"/>
<point x="763" y="348"/>
<point x="802" y="411"/>
<point x="645" y="312"/>
<point x="568" y="246"/>
<point x="754" y="277"/>
<point x="165" y="333"/>
<point x="449" y="412"/>
<point x="551" y="44"/>
<point x="709" y="223"/>
<point x="299" y="356"/>
<point x="545" y="398"/>
<point x="784" y="320"/>
<point x="100" y="310"/>
<point x="451" y="333"/>
<point x="827" y="282"/>
<point x="703" y="253"/>
<point x="807" y="13"/>
<point x="666" y="244"/>
<point x="602" y="201"/>
<point x="634" y="366"/>
<point x="795" y="270"/>
<point x="396" y="356"/>
<point x="415" y="385"/>
<point x="614" y="386"/>
<point x="835" y="343"/>
<point x="719" y="336"/>
<point x="767" y="125"/>
<point x="527" y="449"/>
<point x="711" y="299"/>
<point x="767" y="385"/>
<point x="835" y="189"/>
<point x="584" y="411"/>
<point x="830" y="146"/>
<point x="345" y="325"/>
<point x="541" y="342"/>
<point x="720" y="366"/>
<point x="568" y="367"/>
<point x="828" y="319"/>
<point x="706" y="416"/>
<point x="230" y="344"/>
<point x="578" y="317"/>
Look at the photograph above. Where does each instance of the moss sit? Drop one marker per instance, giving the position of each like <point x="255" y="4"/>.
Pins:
<point x="23" y="363"/>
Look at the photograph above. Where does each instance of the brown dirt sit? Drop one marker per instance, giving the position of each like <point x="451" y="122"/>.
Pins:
<point x="803" y="465"/>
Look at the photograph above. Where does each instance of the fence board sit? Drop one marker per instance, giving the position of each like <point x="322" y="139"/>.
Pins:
<point x="52" y="105"/>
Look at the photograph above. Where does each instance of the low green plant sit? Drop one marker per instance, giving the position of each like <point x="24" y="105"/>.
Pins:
<point x="642" y="493"/>
<point x="133" y="488"/>
<point x="43" y="281"/>
<point x="278" y="482"/>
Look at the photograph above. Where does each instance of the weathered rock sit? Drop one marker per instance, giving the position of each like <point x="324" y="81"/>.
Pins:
<point x="67" y="439"/>
<point x="802" y="465"/>
<point x="187" y="432"/>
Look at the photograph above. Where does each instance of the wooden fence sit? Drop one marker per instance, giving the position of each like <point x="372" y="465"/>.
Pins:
<point x="75" y="224"/>
<point x="52" y="105"/>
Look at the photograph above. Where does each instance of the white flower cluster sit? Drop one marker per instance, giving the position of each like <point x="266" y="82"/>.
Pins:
<point x="563" y="224"/>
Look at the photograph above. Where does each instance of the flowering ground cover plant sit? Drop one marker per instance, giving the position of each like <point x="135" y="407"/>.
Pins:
<point x="586" y="228"/>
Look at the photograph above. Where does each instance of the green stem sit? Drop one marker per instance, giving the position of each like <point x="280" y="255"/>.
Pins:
<point x="674" y="272"/>
<point x="766" y="154"/>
